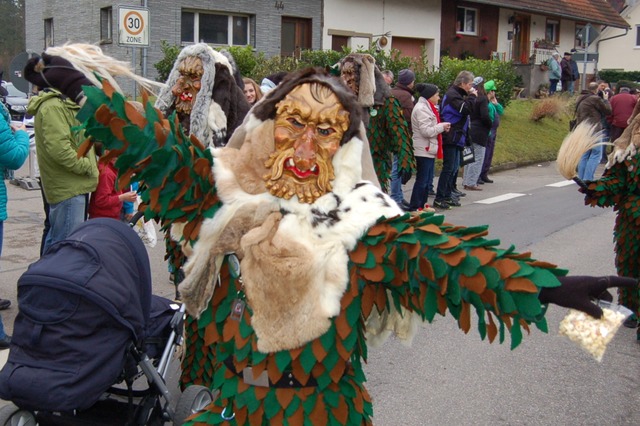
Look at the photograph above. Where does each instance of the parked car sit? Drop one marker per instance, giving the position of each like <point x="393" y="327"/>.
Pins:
<point x="15" y="100"/>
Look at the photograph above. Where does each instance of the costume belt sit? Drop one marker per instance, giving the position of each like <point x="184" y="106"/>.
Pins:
<point x="286" y="381"/>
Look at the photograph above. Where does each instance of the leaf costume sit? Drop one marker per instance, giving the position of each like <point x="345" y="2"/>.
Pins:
<point x="284" y="296"/>
<point x="619" y="187"/>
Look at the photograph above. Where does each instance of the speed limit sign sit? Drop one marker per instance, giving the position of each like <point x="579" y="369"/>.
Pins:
<point x="133" y="26"/>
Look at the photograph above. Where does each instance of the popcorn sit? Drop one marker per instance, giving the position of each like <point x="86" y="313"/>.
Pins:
<point x="592" y="334"/>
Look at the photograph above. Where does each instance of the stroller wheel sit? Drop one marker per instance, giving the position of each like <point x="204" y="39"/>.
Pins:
<point x="193" y="399"/>
<point x="10" y="415"/>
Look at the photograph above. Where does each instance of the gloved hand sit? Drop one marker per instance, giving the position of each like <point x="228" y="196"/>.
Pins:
<point x="576" y="292"/>
<point x="405" y="176"/>
<point x="57" y="73"/>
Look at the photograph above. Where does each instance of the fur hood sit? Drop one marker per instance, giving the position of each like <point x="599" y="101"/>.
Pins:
<point x="220" y="105"/>
<point x="293" y="256"/>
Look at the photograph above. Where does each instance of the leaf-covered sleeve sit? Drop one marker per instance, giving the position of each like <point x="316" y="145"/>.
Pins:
<point x="174" y="170"/>
<point x="612" y="186"/>
<point x="399" y="136"/>
<point x="430" y="267"/>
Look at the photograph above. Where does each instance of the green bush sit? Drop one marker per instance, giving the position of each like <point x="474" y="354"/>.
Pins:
<point x="165" y="65"/>
<point x="256" y="66"/>
<point x="613" y="76"/>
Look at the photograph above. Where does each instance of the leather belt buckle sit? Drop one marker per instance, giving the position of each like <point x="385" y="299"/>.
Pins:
<point x="249" y="378"/>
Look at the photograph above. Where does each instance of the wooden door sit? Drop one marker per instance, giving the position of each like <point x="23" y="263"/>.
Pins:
<point x="521" y="40"/>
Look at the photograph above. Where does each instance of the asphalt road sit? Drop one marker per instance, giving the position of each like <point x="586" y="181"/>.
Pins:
<point x="447" y="377"/>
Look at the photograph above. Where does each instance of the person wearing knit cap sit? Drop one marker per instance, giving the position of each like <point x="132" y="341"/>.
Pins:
<point x="495" y="111"/>
<point x="403" y="92"/>
<point x="427" y="142"/>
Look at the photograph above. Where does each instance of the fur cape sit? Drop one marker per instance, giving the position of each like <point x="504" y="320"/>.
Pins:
<point x="293" y="256"/>
<point x="220" y="105"/>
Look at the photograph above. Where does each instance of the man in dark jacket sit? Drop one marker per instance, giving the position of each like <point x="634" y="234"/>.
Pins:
<point x="403" y="92"/>
<point x="593" y="109"/>
<point x="455" y="108"/>
<point x="566" y="76"/>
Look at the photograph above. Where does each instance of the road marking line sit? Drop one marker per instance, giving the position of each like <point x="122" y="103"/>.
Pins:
<point x="561" y="184"/>
<point x="500" y="198"/>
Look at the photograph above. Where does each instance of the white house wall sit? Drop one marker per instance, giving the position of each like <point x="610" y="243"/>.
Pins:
<point x="621" y="52"/>
<point x="368" y="19"/>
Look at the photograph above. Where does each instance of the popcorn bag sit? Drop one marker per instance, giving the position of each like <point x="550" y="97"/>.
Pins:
<point x="592" y="334"/>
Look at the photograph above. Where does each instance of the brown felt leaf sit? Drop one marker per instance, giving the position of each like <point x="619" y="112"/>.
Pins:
<point x="103" y="115"/>
<point x="154" y="196"/>
<point x="318" y="351"/>
<point x="116" y="125"/>
<point x="108" y="89"/>
<point x="426" y="269"/>
<point x="341" y="412"/>
<point x="230" y="330"/>
<point x="318" y="416"/>
<point x="376" y="274"/>
<point x="506" y="267"/>
<point x="465" y="317"/>
<point x="273" y="371"/>
<point x="476" y="283"/>
<point x="342" y="326"/>
<point x="84" y="148"/>
<point x="342" y="351"/>
<point x="381" y="298"/>
<point x="160" y="133"/>
<point x="450" y="243"/>
<point x="469" y="237"/>
<point x="359" y="255"/>
<point x="337" y="371"/>
<point x="284" y="397"/>
<point x="454" y="258"/>
<point x="525" y="325"/>
<point x="483" y="255"/>
<point x="145" y="96"/>
<point x="182" y="174"/>
<point x="520" y="284"/>
<point x="202" y="167"/>
<point x="542" y="264"/>
<point x="195" y="141"/>
<point x="134" y="115"/>
<point x="490" y="297"/>
<point x="367" y="300"/>
<point x="492" y="330"/>
<point x="431" y="229"/>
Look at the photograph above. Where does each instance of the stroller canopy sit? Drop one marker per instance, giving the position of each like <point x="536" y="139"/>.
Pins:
<point x="103" y="261"/>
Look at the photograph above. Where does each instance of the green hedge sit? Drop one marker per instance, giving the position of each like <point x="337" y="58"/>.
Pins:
<point x="256" y="66"/>
<point x="613" y="76"/>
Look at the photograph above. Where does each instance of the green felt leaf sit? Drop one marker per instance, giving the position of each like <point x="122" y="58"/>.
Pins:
<point x="431" y="304"/>
<point x="542" y="325"/>
<point x="469" y="266"/>
<point x="293" y="407"/>
<point x="370" y="262"/>
<point x="271" y="405"/>
<point x="205" y="317"/>
<point x="331" y="398"/>
<point x="492" y="277"/>
<point x="524" y="270"/>
<point x="307" y="359"/>
<point x="516" y="334"/>
<point x="528" y="304"/>
<point x="283" y="360"/>
<point x="544" y="278"/>
<point x="310" y="403"/>
<point x="506" y="302"/>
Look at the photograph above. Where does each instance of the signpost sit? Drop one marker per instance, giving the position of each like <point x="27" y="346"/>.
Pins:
<point x="133" y="31"/>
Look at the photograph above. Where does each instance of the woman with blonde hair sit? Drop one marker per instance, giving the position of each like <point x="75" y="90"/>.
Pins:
<point x="251" y="91"/>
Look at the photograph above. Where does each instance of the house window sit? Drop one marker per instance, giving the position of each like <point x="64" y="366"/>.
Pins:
<point x="637" y="35"/>
<point x="552" y="31"/>
<point x="48" y="32"/>
<point x="106" y="25"/>
<point x="467" y="19"/>
<point x="214" y="28"/>
<point x="579" y="42"/>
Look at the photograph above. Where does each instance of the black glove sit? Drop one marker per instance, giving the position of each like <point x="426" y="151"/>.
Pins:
<point x="57" y="73"/>
<point x="405" y="176"/>
<point x="576" y="292"/>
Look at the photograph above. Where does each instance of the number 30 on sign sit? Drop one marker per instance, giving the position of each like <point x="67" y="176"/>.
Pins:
<point x="133" y="26"/>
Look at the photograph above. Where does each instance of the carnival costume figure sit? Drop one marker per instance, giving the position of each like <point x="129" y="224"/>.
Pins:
<point x="296" y="264"/>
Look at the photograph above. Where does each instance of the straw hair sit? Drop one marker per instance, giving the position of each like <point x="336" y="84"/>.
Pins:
<point x="576" y="143"/>
<point x="89" y="59"/>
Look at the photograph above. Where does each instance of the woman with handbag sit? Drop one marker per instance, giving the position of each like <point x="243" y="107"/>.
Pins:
<point x="427" y="142"/>
<point x="479" y="133"/>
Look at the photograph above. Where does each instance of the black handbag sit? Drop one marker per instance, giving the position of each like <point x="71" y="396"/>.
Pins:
<point x="468" y="156"/>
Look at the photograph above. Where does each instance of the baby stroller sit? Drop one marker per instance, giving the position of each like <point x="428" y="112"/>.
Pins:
<point x="89" y="334"/>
